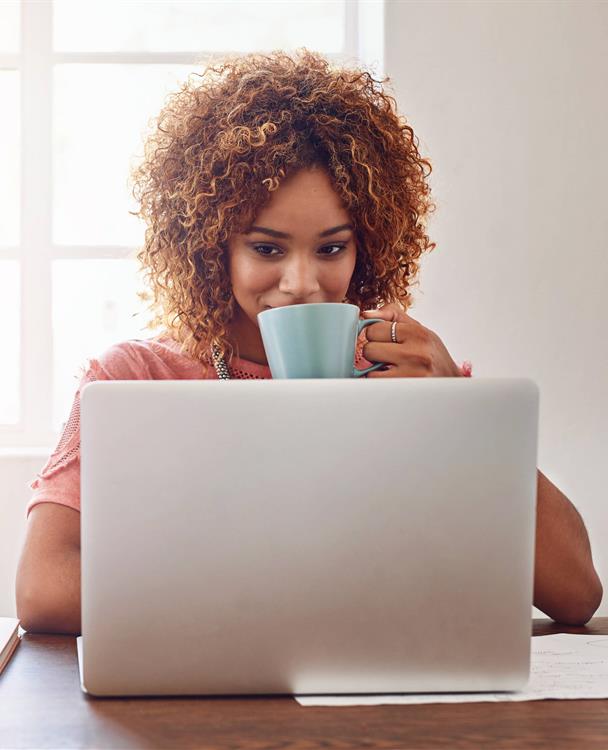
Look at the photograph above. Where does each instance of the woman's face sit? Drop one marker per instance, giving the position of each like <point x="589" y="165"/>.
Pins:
<point x="300" y="249"/>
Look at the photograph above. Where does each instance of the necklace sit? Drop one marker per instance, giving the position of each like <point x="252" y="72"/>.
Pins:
<point x="219" y="364"/>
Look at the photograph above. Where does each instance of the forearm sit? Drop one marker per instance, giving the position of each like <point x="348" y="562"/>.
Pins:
<point x="566" y="585"/>
<point x="51" y="605"/>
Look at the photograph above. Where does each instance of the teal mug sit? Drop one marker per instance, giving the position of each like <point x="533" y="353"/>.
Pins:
<point x="315" y="340"/>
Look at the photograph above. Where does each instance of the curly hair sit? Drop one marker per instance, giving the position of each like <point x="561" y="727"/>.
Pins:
<point x="225" y="141"/>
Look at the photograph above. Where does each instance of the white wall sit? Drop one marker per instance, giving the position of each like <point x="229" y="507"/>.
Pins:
<point x="509" y="101"/>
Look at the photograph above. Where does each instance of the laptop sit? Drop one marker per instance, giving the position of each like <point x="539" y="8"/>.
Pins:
<point x="307" y="536"/>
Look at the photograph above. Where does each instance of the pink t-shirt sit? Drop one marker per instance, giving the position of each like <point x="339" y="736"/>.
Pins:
<point x="156" y="358"/>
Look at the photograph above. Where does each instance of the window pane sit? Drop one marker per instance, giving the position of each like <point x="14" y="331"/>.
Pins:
<point x="9" y="26"/>
<point x="100" y="117"/>
<point x="9" y="158"/>
<point x="197" y="26"/>
<point x="10" y="305"/>
<point x="95" y="305"/>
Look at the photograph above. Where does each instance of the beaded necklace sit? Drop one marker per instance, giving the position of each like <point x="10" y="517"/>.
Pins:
<point x="219" y="363"/>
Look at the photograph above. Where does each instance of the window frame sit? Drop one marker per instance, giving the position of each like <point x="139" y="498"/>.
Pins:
<point x="364" y="41"/>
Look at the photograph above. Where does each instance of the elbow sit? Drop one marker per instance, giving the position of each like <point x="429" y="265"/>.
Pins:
<point x="577" y="613"/>
<point x="29" y="615"/>
<point x="47" y="590"/>
<point x="40" y="613"/>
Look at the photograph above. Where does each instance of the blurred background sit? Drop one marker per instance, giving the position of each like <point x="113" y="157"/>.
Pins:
<point x="507" y="99"/>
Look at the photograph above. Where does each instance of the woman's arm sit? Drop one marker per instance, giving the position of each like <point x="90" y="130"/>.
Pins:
<point x="48" y="574"/>
<point x="566" y="585"/>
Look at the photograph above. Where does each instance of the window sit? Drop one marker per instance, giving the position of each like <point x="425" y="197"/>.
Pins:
<point x="79" y="83"/>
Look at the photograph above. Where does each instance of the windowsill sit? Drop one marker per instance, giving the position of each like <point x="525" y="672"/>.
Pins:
<point x="34" y="451"/>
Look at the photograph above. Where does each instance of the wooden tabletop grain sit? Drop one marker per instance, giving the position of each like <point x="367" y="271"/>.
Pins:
<point x="42" y="706"/>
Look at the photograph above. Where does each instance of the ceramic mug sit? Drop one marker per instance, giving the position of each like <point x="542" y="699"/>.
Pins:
<point x="315" y="340"/>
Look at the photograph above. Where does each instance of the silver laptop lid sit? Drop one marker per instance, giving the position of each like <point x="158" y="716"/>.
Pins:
<point x="307" y="536"/>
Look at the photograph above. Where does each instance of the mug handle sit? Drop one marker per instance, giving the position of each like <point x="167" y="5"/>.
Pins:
<point x="362" y="324"/>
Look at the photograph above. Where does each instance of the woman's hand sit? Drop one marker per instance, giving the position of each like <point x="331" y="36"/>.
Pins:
<point x="418" y="353"/>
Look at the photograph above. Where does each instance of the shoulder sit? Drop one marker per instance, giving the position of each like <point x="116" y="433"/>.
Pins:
<point x="120" y="361"/>
<point x="156" y="358"/>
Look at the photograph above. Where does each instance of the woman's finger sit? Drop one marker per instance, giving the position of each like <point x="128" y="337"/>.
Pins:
<point x="379" y="352"/>
<point x="394" y="371"/>
<point x="383" y="332"/>
<point x="413" y="358"/>
<point x="390" y="312"/>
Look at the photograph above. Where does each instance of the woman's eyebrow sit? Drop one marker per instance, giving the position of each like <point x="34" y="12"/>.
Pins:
<point x="285" y="236"/>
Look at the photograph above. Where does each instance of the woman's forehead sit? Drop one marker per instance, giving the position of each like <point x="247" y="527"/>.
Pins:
<point x="306" y="195"/>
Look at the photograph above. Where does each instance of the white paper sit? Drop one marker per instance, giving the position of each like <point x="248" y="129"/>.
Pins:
<point x="563" y="666"/>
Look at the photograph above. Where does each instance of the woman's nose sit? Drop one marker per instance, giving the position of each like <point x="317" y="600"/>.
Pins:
<point x="299" y="279"/>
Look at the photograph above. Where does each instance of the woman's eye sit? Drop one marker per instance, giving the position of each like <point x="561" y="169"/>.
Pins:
<point x="266" y="250"/>
<point x="332" y="249"/>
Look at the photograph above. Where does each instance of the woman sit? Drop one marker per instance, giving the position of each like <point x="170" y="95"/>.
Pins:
<point x="273" y="180"/>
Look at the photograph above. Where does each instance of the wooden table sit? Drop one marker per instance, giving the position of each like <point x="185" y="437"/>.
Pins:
<point x="42" y="706"/>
